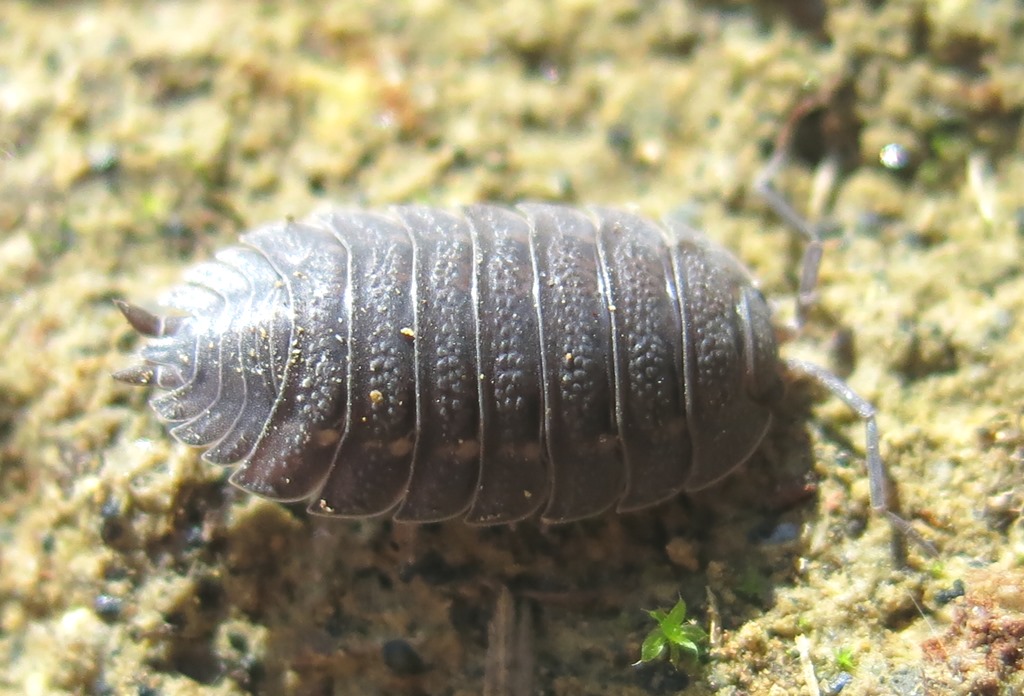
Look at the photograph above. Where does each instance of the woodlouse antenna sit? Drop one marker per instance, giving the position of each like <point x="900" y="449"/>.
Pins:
<point x="763" y="185"/>
<point x="879" y="488"/>
<point x="881" y="493"/>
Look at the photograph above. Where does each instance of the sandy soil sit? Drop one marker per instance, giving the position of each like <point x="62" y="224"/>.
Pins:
<point x="136" y="140"/>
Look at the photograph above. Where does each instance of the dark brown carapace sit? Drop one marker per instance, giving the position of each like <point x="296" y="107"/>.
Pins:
<point x="488" y="363"/>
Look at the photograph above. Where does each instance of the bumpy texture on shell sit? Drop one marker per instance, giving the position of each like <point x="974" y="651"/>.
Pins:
<point x="488" y="362"/>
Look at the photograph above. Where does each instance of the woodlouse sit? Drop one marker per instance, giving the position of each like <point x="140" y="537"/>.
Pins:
<point x="486" y="363"/>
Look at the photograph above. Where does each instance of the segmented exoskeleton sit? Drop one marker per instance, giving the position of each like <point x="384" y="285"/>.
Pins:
<point x="487" y="363"/>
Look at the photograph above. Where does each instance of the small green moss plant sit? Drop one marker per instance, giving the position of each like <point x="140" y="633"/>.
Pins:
<point x="845" y="659"/>
<point x="684" y="640"/>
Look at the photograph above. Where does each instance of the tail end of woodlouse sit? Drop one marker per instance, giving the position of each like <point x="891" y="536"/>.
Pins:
<point x="151" y="370"/>
<point x="146" y="323"/>
<point x="137" y="375"/>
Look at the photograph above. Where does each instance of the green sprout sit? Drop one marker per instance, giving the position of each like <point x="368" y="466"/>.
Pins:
<point x="845" y="660"/>
<point x="684" y="640"/>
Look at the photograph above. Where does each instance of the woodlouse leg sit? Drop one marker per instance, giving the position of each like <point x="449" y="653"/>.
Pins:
<point x="880" y="490"/>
